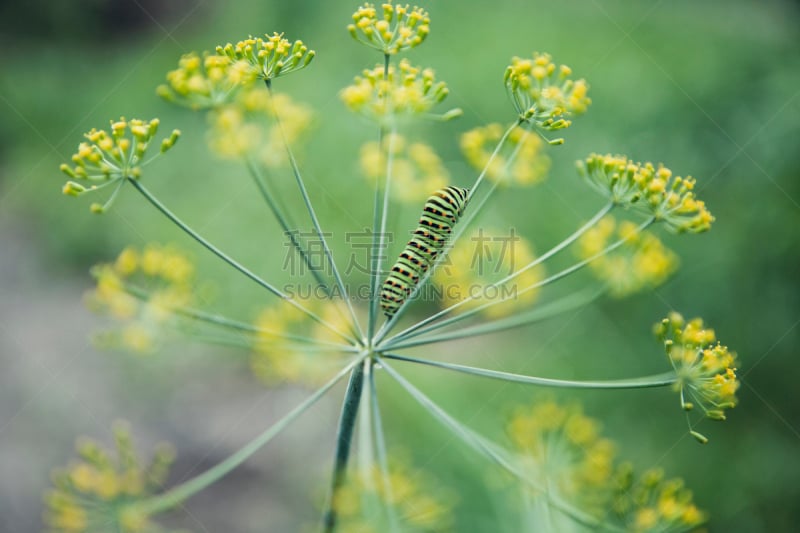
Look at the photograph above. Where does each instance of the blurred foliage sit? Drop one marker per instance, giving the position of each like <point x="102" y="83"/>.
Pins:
<point x="709" y="88"/>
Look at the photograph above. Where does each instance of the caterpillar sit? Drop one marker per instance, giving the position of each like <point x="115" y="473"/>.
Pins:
<point x="441" y="212"/>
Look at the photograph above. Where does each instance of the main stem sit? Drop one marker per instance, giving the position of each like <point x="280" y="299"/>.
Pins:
<point x="344" y="438"/>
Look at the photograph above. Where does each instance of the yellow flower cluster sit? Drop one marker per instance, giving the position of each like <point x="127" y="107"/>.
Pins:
<point x="142" y="289"/>
<point x="476" y="263"/>
<point x="246" y="127"/>
<point x="108" y="158"/>
<point x="405" y="90"/>
<point x="706" y="371"/>
<point x="398" y="28"/>
<point x="643" y="262"/>
<point x="543" y="94"/>
<point x="649" y="188"/>
<point x="415" y="167"/>
<point x="271" y="57"/>
<point x="652" y="503"/>
<point x="522" y="158"/>
<point x="206" y="82"/>
<point x="417" y="502"/>
<point x="561" y="448"/>
<point x="278" y="357"/>
<point x="99" y="493"/>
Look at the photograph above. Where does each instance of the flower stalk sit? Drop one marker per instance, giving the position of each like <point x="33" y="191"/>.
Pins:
<point x="232" y="262"/>
<point x="182" y="492"/>
<point x="313" y="215"/>
<point x="377" y="240"/>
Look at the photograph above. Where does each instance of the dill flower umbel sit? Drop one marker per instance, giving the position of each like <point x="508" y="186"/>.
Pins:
<point x="416" y="168"/>
<point x="522" y="159"/>
<point x="564" y="453"/>
<point x="543" y="94"/>
<point x="407" y="499"/>
<point x="111" y="158"/>
<point x="141" y="290"/>
<point x="397" y="28"/>
<point x="561" y="448"/>
<point x="648" y="188"/>
<point x="281" y="353"/>
<point x="650" y="503"/>
<point x="247" y="127"/>
<point x="271" y="57"/>
<point x="404" y="90"/>
<point x="100" y="492"/>
<point x="205" y="82"/>
<point x="642" y="262"/>
<point x="706" y="370"/>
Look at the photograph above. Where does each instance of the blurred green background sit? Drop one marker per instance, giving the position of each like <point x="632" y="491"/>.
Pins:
<point x="710" y="88"/>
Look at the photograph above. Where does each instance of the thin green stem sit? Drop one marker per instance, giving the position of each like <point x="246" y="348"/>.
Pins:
<point x="224" y="322"/>
<point x="488" y="449"/>
<point x="249" y="344"/>
<point x="222" y="255"/>
<point x="377" y="239"/>
<point x="496" y="151"/>
<point x="113" y="196"/>
<point x="366" y="458"/>
<point x="374" y="273"/>
<point x="473" y="212"/>
<point x="656" y="380"/>
<point x="382" y="233"/>
<point x="389" y="324"/>
<point x="185" y="490"/>
<point x="380" y="446"/>
<point x="370" y="497"/>
<point x="284" y="221"/>
<point x="344" y="438"/>
<point x="538" y="314"/>
<point x="420" y="328"/>
<point x="312" y="213"/>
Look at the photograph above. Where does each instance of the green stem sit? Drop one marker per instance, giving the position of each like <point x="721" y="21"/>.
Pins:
<point x="377" y="239"/>
<point x="384" y="214"/>
<point x="189" y="488"/>
<point x="366" y="458"/>
<point x="314" y="220"/>
<point x="224" y="322"/>
<point x="539" y="260"/>
<point x="383" y="463"/>
<point x="283" y="221"/>
<point x="538" y="314"/>
<point x="219" y="253"/>
<point x="249" y="344"/>
<point x="496" y="151"/>
<point x="657" y="380"/>
<point x="473" y="212"/>
<point x="489" y="449"/>
<point x="388" y="325"/>
<point x="344" y="439"/>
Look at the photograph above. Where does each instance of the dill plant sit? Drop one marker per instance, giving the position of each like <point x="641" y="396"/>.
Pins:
<point x="555" y="461"/>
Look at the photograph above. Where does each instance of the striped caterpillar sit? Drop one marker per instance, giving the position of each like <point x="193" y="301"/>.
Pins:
<point x="441" y="212"/>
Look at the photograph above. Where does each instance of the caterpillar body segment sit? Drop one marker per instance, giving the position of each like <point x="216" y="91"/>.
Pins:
<point x="441" y="212"/>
